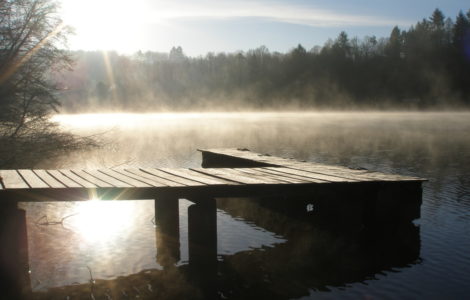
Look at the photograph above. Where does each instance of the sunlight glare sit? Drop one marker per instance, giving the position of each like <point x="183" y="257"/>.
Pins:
<point x="101" y="221"/>
<point x="104" y="24"/>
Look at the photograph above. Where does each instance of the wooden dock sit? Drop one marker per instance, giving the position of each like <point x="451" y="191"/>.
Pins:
<point x="304" y="188"/>
<point x="226" y="172"/>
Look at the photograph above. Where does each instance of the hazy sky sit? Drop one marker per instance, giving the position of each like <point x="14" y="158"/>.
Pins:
<point x="227" y="25"/>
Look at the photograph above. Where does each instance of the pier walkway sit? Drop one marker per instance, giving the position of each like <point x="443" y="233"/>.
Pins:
<point x="226" y="172"/>
<point x="303" y="189"/>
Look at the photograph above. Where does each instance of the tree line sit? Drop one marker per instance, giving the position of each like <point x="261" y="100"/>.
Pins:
<point x="425" y="66"/>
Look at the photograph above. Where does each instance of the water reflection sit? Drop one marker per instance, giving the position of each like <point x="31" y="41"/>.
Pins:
<point x="309" y="258"/>
<point x="119" y="238"/>
<point x="431" y="145"/>
<point x="98" y="222"/>
<point x="314" y="258"/>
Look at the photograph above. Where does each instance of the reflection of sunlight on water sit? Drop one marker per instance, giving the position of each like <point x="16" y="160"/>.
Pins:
<point x="433" y="145"/>
<point x="102" y="221"/>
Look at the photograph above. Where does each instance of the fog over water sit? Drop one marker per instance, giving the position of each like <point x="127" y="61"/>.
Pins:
<point x="432" y="145"/>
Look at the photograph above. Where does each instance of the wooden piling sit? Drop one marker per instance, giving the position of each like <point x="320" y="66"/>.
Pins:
<point x="14" y="264"/>
<point x="167" y="230"/>
<point x="202" y="242"/>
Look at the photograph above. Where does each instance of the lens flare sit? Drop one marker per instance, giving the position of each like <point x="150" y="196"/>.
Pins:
<point x="101" y="221"/>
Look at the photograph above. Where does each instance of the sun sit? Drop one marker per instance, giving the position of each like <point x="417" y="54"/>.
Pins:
<point x="104" y="24"/>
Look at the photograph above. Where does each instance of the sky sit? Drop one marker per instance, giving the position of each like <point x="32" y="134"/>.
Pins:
<point x="206" y="26"/>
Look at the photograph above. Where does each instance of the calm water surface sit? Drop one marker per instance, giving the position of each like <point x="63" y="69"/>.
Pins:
<point x="267" y="254"/>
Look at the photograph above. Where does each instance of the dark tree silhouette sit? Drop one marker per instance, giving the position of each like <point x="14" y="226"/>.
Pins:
<point x="31" y="35"/>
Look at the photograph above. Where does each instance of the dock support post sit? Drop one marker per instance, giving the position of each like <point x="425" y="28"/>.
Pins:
<point x="202" y="240"/>
<point x="14" y="265"/>
<point x="167" y="230"/>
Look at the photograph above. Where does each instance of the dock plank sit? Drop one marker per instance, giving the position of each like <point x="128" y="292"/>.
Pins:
<point x="144" y="177"/>
<point x="326" y="178"/>
<point x="286" y="177"/>
<point x="345" y="174"/>
<point x="249" y="155"/>
<point x="51" y="181"/>
<point x="362" y="175"/>
<point x="11" y="179"/>
<point x="227" y="174"/>
<point x="77" y="179"/>
<point x="32" y="179"/>
<point x="130" y="180"/>
<point x="294" y="176"/>
<point x="264" y="179"/>
<point x="108" y="179"/>
<point x="162" y="181"/>
<point x="260" y="174"/>
<point x="192" y="175"/>
<point x="63" y="179"/>
<point x="92" y="179"/>
<point x="167" y="176"/>
<point x="329" y="170"/>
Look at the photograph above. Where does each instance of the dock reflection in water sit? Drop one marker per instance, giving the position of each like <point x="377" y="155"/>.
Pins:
<point x="300" y="255"/>
<point x="434" y="145"/>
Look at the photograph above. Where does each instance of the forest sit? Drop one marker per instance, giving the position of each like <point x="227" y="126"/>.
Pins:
<point x="426" y="66"/>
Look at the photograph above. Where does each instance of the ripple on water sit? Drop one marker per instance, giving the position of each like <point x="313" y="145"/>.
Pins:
<point x="63" y="254"/>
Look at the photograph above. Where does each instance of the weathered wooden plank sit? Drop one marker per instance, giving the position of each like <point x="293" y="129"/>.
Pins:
<point x="285" y="162"/>
<point x="386" y="176"/>
<point x="174" y="178"/>
<point x="124" y="178"/>
<point x="265" y="179"/>
<point x="108" y="179"/>
<point x="311" y="175"/>
<point x="32" y="179"/>
<point x="77" y="179"/>
<point x="389" y="177"/>
<point x="346" y="176"/>
<point x="284" y="177"/>
<point x="11" y="179"/>
<point x="51" y="181"/>
<point x="249" y="155"/>
<point x="161" y="181"/>
<point x="294" y="177"/>
<point x="279" y="161"/>
<point x="338" y="171"/>
<point x="192" y="175"/>
<point x="227" y="174"/>
<point x="148" y="179"/>
<point x="262" y="176"/>
<point x="362" y="175"/>
<point x="63" y="179"/>
<point x="92" y="179"/>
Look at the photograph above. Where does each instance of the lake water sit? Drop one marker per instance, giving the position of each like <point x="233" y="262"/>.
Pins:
<point x="265" y="254"/>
